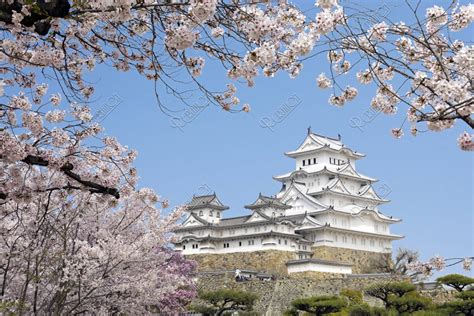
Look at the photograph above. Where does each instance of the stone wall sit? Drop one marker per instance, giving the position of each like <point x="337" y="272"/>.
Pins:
<point x="274" y="261"/>
<point x="274" y="297"/>
<point x="363" y="261"/>
<point x="269" y="261"/>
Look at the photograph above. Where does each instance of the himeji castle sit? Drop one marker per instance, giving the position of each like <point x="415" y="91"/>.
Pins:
<point x="324" y="203"/>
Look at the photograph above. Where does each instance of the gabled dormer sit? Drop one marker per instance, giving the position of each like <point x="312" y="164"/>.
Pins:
<point x="257" y="216"/>
<point x="268" y="205"/>
<point x="367" y="191"/>
<point x="207" y="207"/>
<point x="193" y="221"/>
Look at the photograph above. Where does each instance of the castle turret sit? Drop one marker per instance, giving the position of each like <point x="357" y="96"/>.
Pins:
<point x="207" y="208"/>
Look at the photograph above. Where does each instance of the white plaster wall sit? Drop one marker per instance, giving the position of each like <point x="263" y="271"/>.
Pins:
<point x="319" y="267"/>
<point x="333" y="239"/>
<point x="322" y="158"/>
<point x="206" y="215"/>
<point x="241" y="245"/>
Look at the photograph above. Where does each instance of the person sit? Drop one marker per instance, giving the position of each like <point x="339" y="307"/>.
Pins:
<point x="237" y="275"/>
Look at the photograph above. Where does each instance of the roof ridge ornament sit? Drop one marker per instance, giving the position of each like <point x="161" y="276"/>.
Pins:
<point x="309" y="130"/>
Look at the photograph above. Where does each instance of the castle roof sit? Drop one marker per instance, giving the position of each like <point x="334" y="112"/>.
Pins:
<point x="345" y="171"/>
<point x="353" y="231"/>
<point x="336" y="186"/>
<point x="314" y="143"/>
<point x="300" y="238"/>
<point x="205" y="201"/>
<point x="267" y="201"/>
<point x="302" y="192"/>
<point x="295" y="220"/>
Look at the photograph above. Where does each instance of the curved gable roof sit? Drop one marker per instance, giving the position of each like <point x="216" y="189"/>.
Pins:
<point x="267" y="201"/>
<point x="315" y="142"/>
<point x="301" y="192"/>
<point x="205" y="201"/>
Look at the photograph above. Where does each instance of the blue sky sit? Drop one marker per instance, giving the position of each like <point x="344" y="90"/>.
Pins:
<point x="431" y="180"/>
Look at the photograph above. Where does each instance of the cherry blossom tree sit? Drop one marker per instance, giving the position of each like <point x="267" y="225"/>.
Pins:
<point x="421" y="67"/>
<point x="77" y="236"/>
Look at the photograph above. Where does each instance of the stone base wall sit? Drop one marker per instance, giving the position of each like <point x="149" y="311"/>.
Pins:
<point x="268" y="261"/>
<point x="363" y="261"/>
<point x="274" y="261"/>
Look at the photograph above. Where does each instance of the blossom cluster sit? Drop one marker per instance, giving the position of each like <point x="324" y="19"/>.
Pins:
<point x="437" y="263"/>
<point x="435" y="70"/>
<point x="73" y="219"/>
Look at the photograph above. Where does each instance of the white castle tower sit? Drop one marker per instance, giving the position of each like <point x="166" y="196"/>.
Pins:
<point x="326" y="214"/>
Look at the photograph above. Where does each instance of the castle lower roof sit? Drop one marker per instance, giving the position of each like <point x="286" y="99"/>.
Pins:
<point x="353" y="231"/>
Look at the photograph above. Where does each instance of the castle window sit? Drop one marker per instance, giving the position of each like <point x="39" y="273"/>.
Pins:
<point x="314" y="160"/>
<point x="251" y="242"/>
<point x="226" y="245"/>
<point x="240" y="244"/>
<point x="304" y="162"/>
<point x="286" y="242"/>
<point x="218" y="215"/>
<point x="279" y="241"/>
<point x="372" y="242"/>
<point x="201" y="213"/>
<point x="354" y="240"/>
<point x="184" y="247"/>
<point x="362" y="241"/>
<point x="211" y="214"/>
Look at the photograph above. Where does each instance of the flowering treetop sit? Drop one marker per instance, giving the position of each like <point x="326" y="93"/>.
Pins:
<point x="420" y="67"/>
